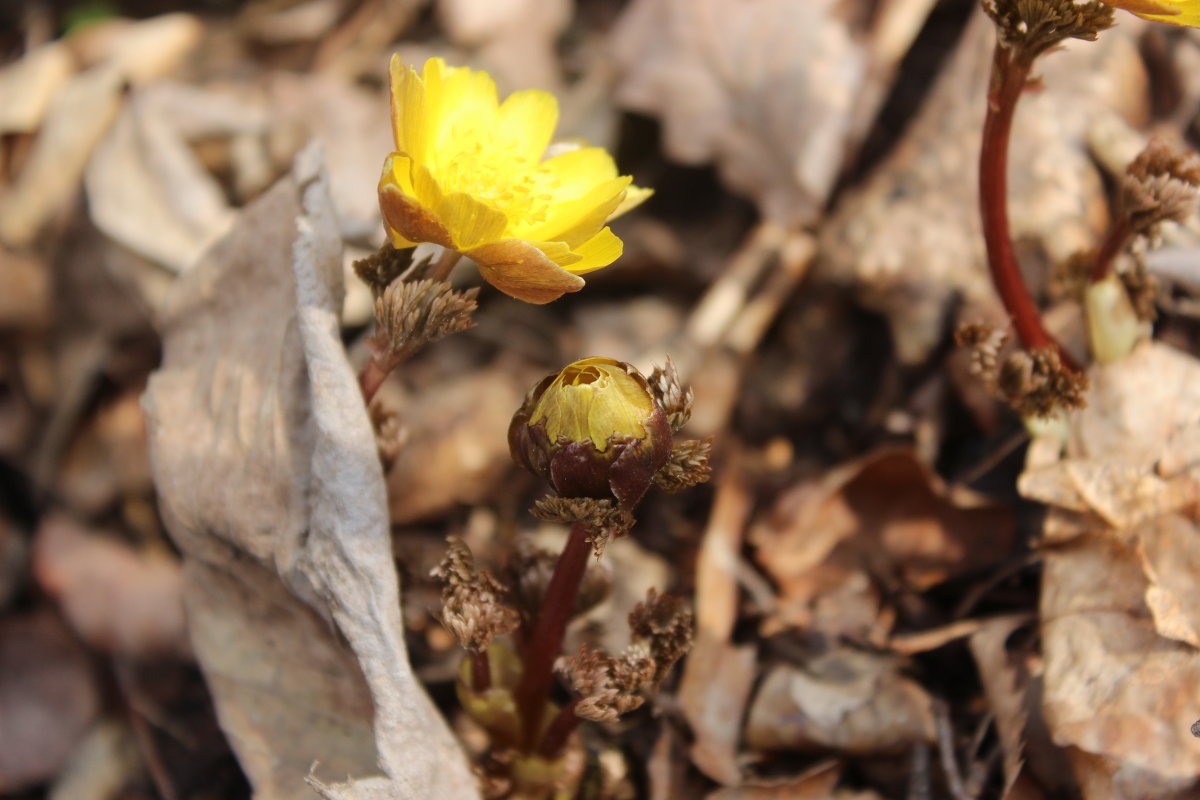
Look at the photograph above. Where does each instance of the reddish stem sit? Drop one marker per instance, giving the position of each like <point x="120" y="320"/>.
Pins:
<point x="1114" y="241"/>
<point x="559" y="731"/>
<point x="481" y="672"/>
<point x="1010" y="75"/>
<point x="371" y="378"/>
<point x="545" y="644"/>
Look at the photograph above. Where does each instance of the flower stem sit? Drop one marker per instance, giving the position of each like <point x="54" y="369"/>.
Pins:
<point x="371" y="378"/>
<point x="1118" y="234"/>
<point x="559" y="731"/>
<point x="545" y="644"/>
<point x="1010" y="75"/>
<point x="382" y="363"/>
<point x="481" y="671"/>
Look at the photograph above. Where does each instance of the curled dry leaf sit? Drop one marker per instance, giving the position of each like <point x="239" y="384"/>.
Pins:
<point x="115" y="597"/>
<point x="884" y="514"/>
<point x="1120" y="625"/>
<point x="270" y="484"/>
<point x="146" y="188"/>
<point x="909" y="239"/>
<point x="844" y="700"/>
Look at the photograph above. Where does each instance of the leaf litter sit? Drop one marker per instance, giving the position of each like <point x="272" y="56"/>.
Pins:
<point x="200" y="518"/>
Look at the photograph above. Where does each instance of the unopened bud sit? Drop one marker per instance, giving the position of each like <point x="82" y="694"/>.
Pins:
<point x="596" y="429"/>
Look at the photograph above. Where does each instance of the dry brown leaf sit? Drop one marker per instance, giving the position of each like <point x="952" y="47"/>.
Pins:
<point x="1113" y="687"/>
<point x="266" y="465"/>
<point x="78" y="116"/>
<point x="884" y="514"/>
<point x="125" y="54"/>
<point x="147" y="190"/>
<point x="142" y="50"/>
<point x="765" y="89"/>
<point x="115" y="597"/>
<point x="516" y="40"/>
<point x="29" y="84"/>
<point x="454" y="449"/>
<point x="909" y="239"/>
<point x="107" y="461"/>
<point x="717" y="680"/>
<point x="844" y="700"/>
<point x="818" y="783"/>
<point x="718" y="675"/>
<point x="1170" y="553"/>
<point x="104" y="763"/>
<point x="1120" y="688"/>
<point x="48" y="698"/>
<point x="776" y="92"/>
<point x="25" y="301"/>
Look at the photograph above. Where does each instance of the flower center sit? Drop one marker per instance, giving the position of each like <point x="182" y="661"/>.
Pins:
<point x="493" y="171"/>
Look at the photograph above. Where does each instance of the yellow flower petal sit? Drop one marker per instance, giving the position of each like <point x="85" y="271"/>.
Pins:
<point x="409" y="222"/>
<point x="521" y="270"/>
<point x="470" y="222"/>
<point x="594" y="399"/>
<point x="634" y="197"/>
<point x="1145" y="6"/>
<point x="1183" y="13"/>
<point x="601" y="250"/>
<point x="526" y="123"/>
<point x="575" y="221"/>
<point x="578" y="170"/>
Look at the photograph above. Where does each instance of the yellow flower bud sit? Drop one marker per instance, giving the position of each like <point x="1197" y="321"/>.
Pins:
<point x="595" y="429"/>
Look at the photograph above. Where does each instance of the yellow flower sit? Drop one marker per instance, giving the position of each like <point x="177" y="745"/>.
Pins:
<point x="1185" y="13"/>
<point x="470" y="173"/>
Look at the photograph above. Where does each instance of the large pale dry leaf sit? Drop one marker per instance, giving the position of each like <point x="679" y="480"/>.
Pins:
<point x="909" y="239"/>
<point x="266" y="466"/>
<point x="767" y="89"/>
<point x="844" y="700"/>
